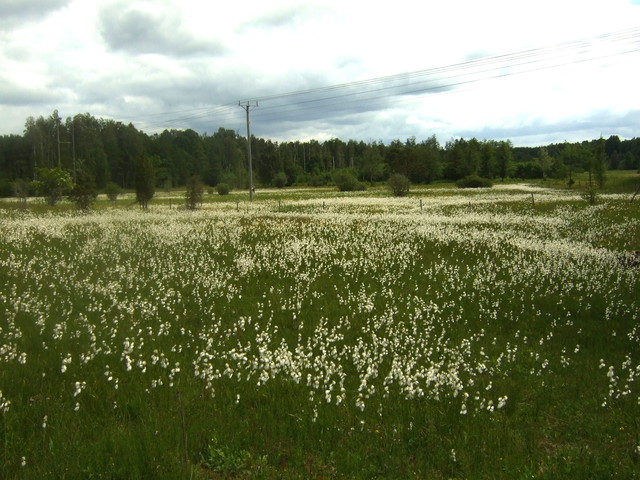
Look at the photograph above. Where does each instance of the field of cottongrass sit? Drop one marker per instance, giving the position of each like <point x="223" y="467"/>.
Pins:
<point x="445" y="335"/>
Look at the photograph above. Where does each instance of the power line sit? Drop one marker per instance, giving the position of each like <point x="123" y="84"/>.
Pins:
<point x="427" y="81"/>
<point x="415" y="89"/>
<point x="502" y="60"/>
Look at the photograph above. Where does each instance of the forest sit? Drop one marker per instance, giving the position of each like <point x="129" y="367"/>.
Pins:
<point x="107" y="151"/>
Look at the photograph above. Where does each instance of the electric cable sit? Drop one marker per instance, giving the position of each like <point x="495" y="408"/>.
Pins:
<point x="438" y="80"/>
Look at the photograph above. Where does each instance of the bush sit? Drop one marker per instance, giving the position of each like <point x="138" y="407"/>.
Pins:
<point x="345" y="181"/>
<point x="319" y="179"/>
<point x="221" y="458"/>
<point x="232" y="181"/>
<point x="113" y="191"/>
<point x="590" y="194"/>
<point x="223" y="189"/>
<point x="84" y="191"/>
<point x="280" y="180"/>
<point x="53" y="184"/>
<point x="399" y="185"/>
<point x="474" y="181"/>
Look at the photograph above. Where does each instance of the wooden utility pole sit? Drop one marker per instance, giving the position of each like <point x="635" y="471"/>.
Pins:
<point x="73" y="147"/>
<point x="247" y="108"/>
<point x="58" y="136"/>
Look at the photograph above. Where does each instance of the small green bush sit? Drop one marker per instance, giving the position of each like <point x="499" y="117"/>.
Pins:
<point x="399" y="185"/>
<point x="223" y="189"/>
<point x="84" y="192"/>
<point x="474" y="181"/>
<point x="319" y="179"/>
<point x="194" y="192"/>
<point x="280" y="180"/>
<point x="590" y="194"/>
<point x="112" y="190"/>
<point x="345" y="181"/>
<point x="53" y="184"/>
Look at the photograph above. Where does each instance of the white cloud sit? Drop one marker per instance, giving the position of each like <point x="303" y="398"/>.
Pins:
<point x="130" y="59"/>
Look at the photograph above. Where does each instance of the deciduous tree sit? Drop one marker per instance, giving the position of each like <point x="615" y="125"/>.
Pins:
<point x="504" y="158"/>
<point x="53" y="184"/>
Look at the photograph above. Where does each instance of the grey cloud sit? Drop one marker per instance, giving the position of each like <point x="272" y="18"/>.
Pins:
<point x="326" y="112"/>
<point x="18" y="95"/>
<point x="15" y="12"/>
<point x="359" y="124"/>
<point x="138" y="31"/>
<point x="284" y="17"/>
<point x="538" y="132"/>
<point x="149" y="90"/>
<point x="347" y="105"/>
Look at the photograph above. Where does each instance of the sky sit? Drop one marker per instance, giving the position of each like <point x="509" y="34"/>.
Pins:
<point x="531" y="72"/>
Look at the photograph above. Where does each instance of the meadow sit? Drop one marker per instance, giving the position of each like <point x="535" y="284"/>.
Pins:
<point x="311" y="334"/>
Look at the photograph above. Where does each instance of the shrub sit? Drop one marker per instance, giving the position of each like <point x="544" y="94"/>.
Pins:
<point x="194" y="191"/>
<point x="399" y="185"/>
<point x="233" y="182"/>
<point x="590" y="194"/>
<point x="53" y="184"/>
<point x="84" y="191"/>
<point x="223" y="189"/>
<point x="319" y="179"/>
<point x="280" y="180"/>
<point x="113" y="191"/>
<point x="221" y="458"/>
<point x="345" y="181"/>
<point x="474" y="181"/>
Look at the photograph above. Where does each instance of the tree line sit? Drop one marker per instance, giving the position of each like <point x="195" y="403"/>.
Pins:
<point x="102" y="152"/>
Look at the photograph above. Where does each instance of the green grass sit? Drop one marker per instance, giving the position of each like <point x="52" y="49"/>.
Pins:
<point x="479" y="336"/>
<point x="616" y="181"/>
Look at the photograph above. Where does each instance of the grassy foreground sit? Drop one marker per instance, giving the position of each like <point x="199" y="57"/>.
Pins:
<point x="488" y="334"/>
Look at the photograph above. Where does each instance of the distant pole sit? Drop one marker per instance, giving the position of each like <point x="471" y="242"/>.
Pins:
<point x="58" y="137"/>
<point x="73" y="147"/>
<point x="247" y="108"/>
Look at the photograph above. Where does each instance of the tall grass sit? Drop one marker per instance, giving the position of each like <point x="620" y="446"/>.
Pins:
<point x="474" y="336"/>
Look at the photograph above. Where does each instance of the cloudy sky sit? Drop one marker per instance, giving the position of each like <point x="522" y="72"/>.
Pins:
<point x="533" y="72"/>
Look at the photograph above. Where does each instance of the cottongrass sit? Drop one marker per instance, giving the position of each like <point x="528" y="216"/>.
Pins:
<point x="366" y="305"/>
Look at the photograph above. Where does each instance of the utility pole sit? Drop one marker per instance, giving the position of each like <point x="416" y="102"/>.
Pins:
<point x="57" y="118"/>
<point x="247" y="108"/>
<point x="73" y="147"/>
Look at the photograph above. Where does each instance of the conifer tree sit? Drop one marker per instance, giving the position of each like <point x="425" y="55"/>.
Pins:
<point x="145" y="181"/>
